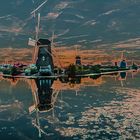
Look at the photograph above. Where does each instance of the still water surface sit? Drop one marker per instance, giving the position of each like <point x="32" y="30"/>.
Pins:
<point x="105" y="108"/>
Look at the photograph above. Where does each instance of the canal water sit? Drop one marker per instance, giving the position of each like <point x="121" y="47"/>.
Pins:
<point x="106" y="108"/>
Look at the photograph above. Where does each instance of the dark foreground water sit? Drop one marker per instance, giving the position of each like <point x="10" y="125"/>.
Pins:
<point x="106" y="108"/>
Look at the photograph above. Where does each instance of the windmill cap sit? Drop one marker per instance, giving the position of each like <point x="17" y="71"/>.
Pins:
<point x="43" y="42"/>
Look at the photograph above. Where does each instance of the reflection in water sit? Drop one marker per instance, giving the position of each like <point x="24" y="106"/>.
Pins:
<point x="43" y="102"/>
<point x="106" y="112"/>
<point x="44" y="91"/>
<point x="123" y="75"/>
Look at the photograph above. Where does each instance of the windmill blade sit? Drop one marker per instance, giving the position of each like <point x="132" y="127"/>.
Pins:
<point x="122" y="84"/>
<point x="33" y="12"/>
<point x="76" y="92"/>
<point x="122" y="55"/>
<point x="37" y="27"/>
<point x="31" y="42"/>
<point x="38" y="123"/>
<point x="55" y="53"/>
<point x="57" y="58"/>
<point x="32" y="109"/>
<point x="52" y="40"/>
<point x="35" y="51"/>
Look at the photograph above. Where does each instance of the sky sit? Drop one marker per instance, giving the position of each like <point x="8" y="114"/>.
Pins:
<point x="99" y="24"/>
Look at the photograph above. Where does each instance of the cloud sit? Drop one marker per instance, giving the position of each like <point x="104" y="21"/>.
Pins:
<point x="14" y="24"/>
<point x="79" y="16"/>
<point x="71" y="21"/>
<point x="4" y="17"/>
<point x="70" y="37"/>
<point x="95" y="41"/>
<point x="115" y="25"/>
<point x="82" y="41"/>
<point x="63" y="32"/>
<point x="133" y="43"/>
<point x="53" y="15"/>
<point x="61" y="6"/>
<point x="90" y="22"/>
<point x="109" y="12"/>
<point x="10" y="29"/>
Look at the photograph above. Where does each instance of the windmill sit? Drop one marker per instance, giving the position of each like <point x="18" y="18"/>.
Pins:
<point x="77" y="56"/>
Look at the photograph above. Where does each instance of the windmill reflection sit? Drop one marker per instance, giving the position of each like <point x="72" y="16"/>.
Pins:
<point x="123" y="75"/>
<point x="44" y="98"/>
<point x="44" y="93"/>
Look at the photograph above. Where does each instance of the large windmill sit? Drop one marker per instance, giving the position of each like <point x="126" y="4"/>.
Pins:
<point x="42" y="55"/>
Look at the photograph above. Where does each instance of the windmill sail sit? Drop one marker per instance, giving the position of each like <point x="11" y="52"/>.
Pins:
<point x="32" y="42"/>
